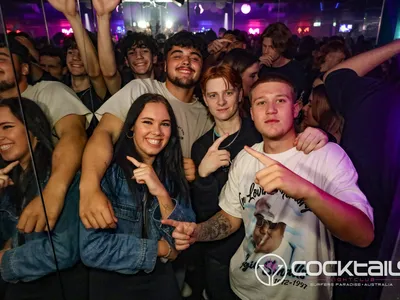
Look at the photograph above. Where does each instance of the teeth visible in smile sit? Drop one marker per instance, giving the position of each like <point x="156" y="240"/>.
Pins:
<point x="5" y="147"/>
<point x="154" y="142"/>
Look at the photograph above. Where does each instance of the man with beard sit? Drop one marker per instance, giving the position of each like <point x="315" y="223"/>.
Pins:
<point x="139" y="50"/>
<point x="67" y="117"/>
<point x="184" y="54"/>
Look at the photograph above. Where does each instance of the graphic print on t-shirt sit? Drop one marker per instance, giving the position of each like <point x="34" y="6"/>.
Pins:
<point x="275" y="227"/>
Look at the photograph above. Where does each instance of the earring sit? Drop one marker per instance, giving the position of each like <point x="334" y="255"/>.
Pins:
<point x="129" y="137"/>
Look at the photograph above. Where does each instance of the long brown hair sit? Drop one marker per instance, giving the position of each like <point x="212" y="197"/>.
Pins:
<point x="327" y="118"/>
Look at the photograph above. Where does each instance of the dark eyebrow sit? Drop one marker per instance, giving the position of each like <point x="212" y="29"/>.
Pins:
<point x="5" y="123"/>
<point x="151" y="119"/>
<point x="181" y="52"/>
<point x="4" y="54"/>
<point x="196" y="53"/>
<point x="176" y="51"/>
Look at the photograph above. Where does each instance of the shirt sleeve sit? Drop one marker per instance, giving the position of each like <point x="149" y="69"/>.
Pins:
<point x="120" y="103"/>
<point x="346" y="90"/>
<point x="119" y="252"/>
<point x="341" y="181"/>
<point x="35" y="258"/>
<point x="57" y="101"/>
<point x="229" y="198"/>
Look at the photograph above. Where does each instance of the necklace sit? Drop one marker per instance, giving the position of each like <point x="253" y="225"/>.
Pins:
<point x="234" y="139"/>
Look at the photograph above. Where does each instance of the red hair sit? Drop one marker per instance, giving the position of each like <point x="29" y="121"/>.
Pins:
<point x="224" y="71"/>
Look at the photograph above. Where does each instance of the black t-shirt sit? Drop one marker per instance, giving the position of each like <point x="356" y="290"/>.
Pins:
<point x="205" y="191"/>
<point x="293" y="71"/>
<point x="93" y="102"/>
<point x="371" y="138"/>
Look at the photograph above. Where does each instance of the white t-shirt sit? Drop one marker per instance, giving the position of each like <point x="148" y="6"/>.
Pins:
<point x="57" y="101"/>
<point x="192" y="118"/>
<point x="304" y="238"/>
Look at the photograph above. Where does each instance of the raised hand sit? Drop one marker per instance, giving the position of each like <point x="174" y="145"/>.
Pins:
<point x="219" y="45"/>
<point x="214" y="158"/>
<point x="104" y="7"/>
<point x="311" y="139"/>
<point x="67" y="7"/>
<point x="5" y="180"/>
<point x="276" y="176"/>
<point x="144" y="174"/>
<point x="184" y="234"/>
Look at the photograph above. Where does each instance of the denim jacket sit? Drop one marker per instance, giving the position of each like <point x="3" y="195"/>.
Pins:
<point x="31" y="256"/>
<point x="123" y="249"/>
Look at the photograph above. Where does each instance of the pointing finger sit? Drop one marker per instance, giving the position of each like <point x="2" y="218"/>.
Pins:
<point x="11" y="166"/>
<point x="265" y="160"/>
<point x="134" y="161"/>
<point x="219" y="141"/>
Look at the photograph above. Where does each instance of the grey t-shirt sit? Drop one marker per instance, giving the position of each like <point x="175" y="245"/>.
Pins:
<point x="57" y="101"/>
<point x="192" y="118"/>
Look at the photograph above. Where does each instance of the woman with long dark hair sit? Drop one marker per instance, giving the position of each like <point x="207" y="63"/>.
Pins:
<point x="28" y="264"/>
<point x="145" y="184"/>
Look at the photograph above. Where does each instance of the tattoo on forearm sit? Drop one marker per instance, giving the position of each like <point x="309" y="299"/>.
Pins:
<point x="216" y="228"/>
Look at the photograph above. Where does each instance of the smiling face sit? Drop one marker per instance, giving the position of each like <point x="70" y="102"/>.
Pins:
<point x="141" y="61"/>
<point x="13" y="142"/>
<point x="222" y="99"/>
<point x="75" y="63"/>
<point x="183" y="66"/>
<point x="152" y="131"/>
<point x="273" y="110"/>
<point x="7" y="79"/>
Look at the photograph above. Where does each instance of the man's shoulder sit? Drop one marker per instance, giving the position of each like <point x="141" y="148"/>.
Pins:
<point x="331" y="154"/>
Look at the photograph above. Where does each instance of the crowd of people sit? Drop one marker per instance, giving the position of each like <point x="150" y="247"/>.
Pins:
<point x="168" y="170"/>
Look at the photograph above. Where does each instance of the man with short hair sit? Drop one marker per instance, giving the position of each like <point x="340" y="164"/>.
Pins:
<point x="52" y="60"/>
<point x="140" y="50"/>
<point x="67" y="117"/>
<point x="315" y="196"/>
<point x="184" y="59"/>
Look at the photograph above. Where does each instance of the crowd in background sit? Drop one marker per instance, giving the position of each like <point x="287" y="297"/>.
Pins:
<point x="169" y="166"/>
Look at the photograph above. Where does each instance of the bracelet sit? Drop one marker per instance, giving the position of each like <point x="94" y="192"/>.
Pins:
<point x="169" y="251"/>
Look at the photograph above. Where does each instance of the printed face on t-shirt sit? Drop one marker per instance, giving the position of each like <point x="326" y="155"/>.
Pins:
<point x="273" y="110"/>
<point x="183" y="66"/>
<point x="222" y="99"/>
<point x="267" y="236"/>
